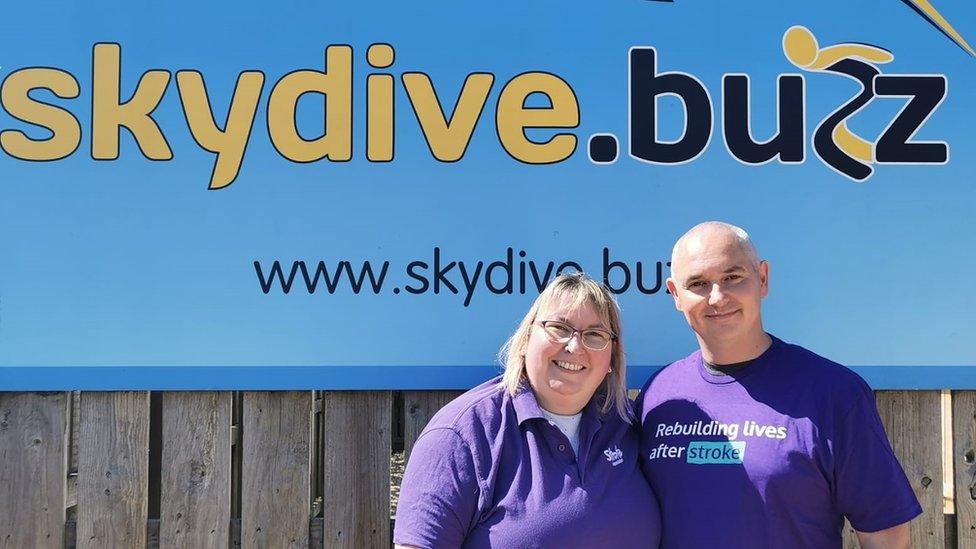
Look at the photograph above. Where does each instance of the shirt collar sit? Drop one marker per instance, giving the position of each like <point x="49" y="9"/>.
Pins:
<point x="754" y="365"/>
<point x="527" y="406"/>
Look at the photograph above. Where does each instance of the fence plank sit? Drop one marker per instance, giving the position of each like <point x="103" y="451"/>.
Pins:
<point x="418" y="408"/>
<point x="73" y="448"/>
<point x="276" y="476"/>
<point x="195" y="471"/>
<point x="964" y="459"/>
<point x="113" y="469"/>
<point x="33" y="468"/>
<point x="356" y="491"/>
<point x="913" y="422"/>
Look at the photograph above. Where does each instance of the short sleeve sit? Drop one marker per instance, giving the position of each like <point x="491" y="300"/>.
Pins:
<point x="440" y="493"/>
<point x="870" y="485"/>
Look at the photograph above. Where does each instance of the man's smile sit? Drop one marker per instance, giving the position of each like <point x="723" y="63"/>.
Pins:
<point x="721" y="316"/>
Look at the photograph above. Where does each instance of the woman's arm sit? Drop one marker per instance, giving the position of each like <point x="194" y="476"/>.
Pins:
<point x="440" y="493"/>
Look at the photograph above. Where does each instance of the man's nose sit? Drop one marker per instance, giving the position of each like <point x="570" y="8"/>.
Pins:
<point x="717" y="295"/>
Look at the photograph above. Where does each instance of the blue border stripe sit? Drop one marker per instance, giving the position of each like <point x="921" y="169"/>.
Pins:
<point x="356" y="378"/>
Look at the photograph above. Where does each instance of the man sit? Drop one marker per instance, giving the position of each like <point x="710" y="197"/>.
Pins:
<point x="753" y="442"/>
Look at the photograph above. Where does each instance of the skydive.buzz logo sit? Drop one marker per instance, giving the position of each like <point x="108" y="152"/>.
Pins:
<point x="833" y="142"/>
<point x="551" y="116"/>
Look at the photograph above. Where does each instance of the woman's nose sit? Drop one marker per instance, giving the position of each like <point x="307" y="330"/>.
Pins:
<point x="575" y="343"/>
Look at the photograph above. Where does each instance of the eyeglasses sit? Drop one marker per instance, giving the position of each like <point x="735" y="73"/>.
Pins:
<point x="593" y="339"/>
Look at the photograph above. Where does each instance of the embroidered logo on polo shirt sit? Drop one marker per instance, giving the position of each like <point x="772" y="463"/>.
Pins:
<point x="614" y="455"/>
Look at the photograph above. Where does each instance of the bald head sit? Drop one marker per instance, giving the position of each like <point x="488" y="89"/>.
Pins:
<point x="709" y="234"/>
<point x="718" y="283"/>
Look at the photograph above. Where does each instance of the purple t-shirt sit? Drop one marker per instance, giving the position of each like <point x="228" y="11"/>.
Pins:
<point x="774" y="455"/>
<point x="490" y="470"/>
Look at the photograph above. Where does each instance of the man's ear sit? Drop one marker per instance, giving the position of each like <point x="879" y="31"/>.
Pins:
<point x="674" y="293"/>
<point x="763" y="278"/>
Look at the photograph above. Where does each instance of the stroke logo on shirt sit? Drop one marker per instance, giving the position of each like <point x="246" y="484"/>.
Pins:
<point x="614" y="455"/>
<point x="704" y="453"/>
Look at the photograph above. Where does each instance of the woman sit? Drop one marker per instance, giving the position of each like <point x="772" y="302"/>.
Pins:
<point x="545" y="455"/>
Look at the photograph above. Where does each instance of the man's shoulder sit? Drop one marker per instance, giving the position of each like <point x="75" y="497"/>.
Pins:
<point x="667" y="379"/>
<point x="675" y="370"/>
<point x="820" y="372"/>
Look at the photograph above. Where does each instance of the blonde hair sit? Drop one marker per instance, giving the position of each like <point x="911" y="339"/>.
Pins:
<point x="581" y="290"/>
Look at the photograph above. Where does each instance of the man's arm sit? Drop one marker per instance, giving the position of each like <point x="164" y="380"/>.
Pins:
<point x="871" y="487"/>
<point x="896" y="537"/>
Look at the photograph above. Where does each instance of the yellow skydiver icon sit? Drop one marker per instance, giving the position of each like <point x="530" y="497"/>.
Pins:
<point x="833" y="142"/>
<point x="803" y="50"/>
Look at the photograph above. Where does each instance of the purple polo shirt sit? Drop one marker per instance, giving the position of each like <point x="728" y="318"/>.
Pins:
<point x="774" y="455"/>
<point x="490" y="470"/>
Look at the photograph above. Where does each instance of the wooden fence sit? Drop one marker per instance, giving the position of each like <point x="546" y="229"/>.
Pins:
<point x="303" y="468"/>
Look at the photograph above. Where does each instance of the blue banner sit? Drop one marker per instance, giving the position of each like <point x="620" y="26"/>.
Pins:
<point x="370" y="188"/>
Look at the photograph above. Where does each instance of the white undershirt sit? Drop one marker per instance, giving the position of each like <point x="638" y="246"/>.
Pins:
<point x="569" y="425"/>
